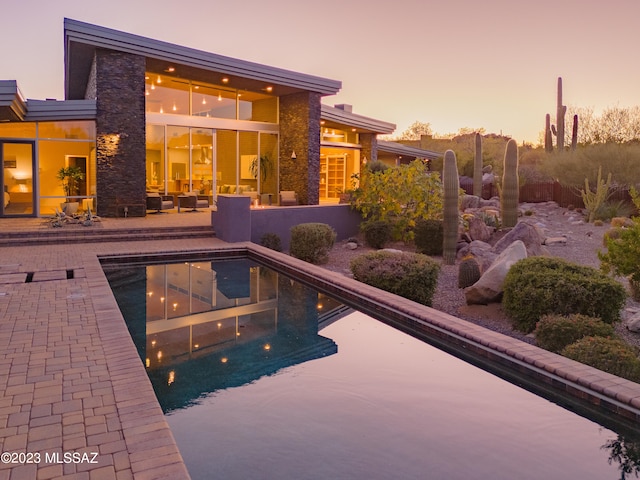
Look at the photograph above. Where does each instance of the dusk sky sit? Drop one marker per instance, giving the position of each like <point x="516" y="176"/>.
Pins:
<point x="453" y="64"/>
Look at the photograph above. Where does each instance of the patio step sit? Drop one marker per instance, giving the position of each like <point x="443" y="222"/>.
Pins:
<point x="80" y="234"/>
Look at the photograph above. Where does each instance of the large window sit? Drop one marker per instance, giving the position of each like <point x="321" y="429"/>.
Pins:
<point x="169" y="95"/>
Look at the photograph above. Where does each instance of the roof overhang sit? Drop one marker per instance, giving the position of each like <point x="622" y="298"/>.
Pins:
<point x="82" y="40"/>
<point x="341" y="119"/>
<point x="406" y="151"/>
<point x="59" y="110"/>
<point x="13" y="107"/>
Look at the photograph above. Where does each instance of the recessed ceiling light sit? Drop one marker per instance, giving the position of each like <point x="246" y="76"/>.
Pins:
<point x="225" y="80"/>
<point x="269" y="89"/>
<point x="170" y="69"/>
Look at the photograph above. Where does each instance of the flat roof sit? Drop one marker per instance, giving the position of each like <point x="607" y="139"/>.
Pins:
<point x="57" y="110"/>
<point x="13" y="106"/>
<point x="82" y="39"/>
<point x="338" y="117"/>
<point x="400" y="149"/>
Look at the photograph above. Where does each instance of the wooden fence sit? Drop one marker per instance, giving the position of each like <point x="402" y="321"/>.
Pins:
<point x="539" y="192"/>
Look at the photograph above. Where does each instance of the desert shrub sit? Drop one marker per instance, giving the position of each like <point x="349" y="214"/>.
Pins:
<point x="623" y="252"/>
<point x="376" y="233"/>
<point x="611" y="234"/>
<point x="410" y="275"/>
<point x="428" y="236"/>
<point x="554" y="332"/>
<point x="611" y="209"/>
<point x="607" y="354"/>
<point x="311" y="242"/>
<point x="272" y="241"/>
<point x="536" y="286"/>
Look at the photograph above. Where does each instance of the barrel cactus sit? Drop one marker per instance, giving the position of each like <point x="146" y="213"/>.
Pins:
<point x="451" y="187"/>
<point x="510" y="186"/>
<point x="468" y="272"/>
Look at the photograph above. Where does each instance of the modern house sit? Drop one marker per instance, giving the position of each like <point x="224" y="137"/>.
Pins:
<point x="141" y="115"/>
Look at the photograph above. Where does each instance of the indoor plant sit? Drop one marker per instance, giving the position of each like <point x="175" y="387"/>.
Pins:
<point x="70" y="178"/>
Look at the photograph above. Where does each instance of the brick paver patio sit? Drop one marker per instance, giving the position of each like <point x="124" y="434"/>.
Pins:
<point x="76" y="397"/>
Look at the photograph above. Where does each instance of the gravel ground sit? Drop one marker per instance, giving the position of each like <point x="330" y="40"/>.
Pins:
<point x="583" y="241"/>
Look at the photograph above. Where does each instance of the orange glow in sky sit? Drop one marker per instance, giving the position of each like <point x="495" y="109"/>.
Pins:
<point x="453" y="64"/>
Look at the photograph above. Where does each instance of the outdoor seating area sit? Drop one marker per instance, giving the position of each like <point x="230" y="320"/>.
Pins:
<point x="288" y="198"/>
<point x="159" y="203"/>
<point x="192" y="201"/>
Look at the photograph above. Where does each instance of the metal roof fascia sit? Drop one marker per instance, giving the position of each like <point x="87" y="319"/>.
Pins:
<point x="121" y="41"/>
<point x="61" y="110"/>
<point x="12" y="99"/>
<point x="400" y="149"/>
<point x="351" y="119"/>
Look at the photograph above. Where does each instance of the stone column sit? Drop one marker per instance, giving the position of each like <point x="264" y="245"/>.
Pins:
<point x="120" y="131"/>
<point x="369" y="142"/>
<point x="300" y="133"/>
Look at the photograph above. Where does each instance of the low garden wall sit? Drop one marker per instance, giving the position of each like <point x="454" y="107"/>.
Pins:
<point x="235" y="220"/>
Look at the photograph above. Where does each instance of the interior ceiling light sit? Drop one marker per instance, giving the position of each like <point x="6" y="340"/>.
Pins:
<point x="170" y="69"/>
<point x="159" y="81"/>
<point x="269" y="89"/>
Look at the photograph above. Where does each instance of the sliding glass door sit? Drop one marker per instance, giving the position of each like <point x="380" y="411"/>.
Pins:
<point x="17" y="178"/>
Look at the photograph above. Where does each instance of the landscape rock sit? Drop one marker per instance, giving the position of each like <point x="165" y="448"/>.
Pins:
<point x="482" y="251"/>
<point x="555" y="241"/>
<point x="351" y="245"/>
<point x="478" y="230"/>
<point x="491" y="284"/>
<point x="529" y="234"/>
<point x="633" y="323"/>
<point x="469" y="201"/>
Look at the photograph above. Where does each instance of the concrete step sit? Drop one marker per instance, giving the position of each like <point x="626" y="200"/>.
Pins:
<point x="80" y="234"/>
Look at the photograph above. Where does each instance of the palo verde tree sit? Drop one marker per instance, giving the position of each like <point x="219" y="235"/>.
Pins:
<point x="399" y="195"/>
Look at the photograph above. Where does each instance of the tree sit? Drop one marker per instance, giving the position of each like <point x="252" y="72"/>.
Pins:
<point x="613" y="125"/>
<point x="416" y="130"/>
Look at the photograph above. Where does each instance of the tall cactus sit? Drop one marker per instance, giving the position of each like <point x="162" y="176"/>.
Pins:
<point x="561" y="110"/>
<point x="548" y="138"/>
<point x="451" y="186"/>
<point x="574" y="133"/>
<point x="510" y="185"/>
<point x="477" y="167"/>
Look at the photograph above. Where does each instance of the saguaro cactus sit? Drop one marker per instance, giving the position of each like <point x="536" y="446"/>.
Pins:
<point x="451" y="186"/>
<point x="477" y="167"/>
<point x="510" y="185"/>
<point x="561" y="110"/>
<point x="574" y="133"/>
<point x="548" y="138"/>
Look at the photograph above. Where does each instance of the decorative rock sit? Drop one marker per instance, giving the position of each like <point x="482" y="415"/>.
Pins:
<point x="469" y="201"/>
<point x="633" y="323"/>
<point x="529" y="234"/>
<point x="478" y="230"/>
<point x="490" y="286"/>
<point x="350" y="245"/>
<point x="555" y="241"/>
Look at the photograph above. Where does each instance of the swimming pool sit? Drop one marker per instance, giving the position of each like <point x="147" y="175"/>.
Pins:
<point x="255" y="387"/>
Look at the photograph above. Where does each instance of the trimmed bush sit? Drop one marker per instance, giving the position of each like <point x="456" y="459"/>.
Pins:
<point x="428" y="236"/>
<point x="272" y="241"/>
<point x="311" y="242"/>
<point x="607" y="354"/>
<point x="377" y="233"/>
<point x="410" y="275"/>
<point x="537" y="286"/>
<point x="555" y="332"/>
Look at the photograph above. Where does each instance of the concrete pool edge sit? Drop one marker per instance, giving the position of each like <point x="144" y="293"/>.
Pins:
<point x="560" y="374"/>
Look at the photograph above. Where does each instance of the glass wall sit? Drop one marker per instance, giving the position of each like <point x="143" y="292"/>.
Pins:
<point x="212" y="162"/>
<point x="337" y="166"/>
<point x="57" y="145"/>
<point x="169" y="95"/>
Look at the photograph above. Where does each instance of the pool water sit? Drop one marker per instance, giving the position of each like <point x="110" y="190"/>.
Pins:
<point x="269" y="388"/>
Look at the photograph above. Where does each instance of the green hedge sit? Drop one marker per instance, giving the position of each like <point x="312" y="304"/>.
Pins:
<point x="428" y="236"/>
<point x="312" y="242"/>
<point x="607" y="354"/>
<point x="555" y="332"/>
<point x="410" y="275"/>
<point x="377" y="233"/>
<point x="537" y="286"/>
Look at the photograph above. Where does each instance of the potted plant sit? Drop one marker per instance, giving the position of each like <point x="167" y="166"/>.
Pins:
<point x="262" y="168"/>
<point x="70" y="178"/>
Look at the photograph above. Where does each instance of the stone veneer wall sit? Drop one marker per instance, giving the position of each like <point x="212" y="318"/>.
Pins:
<point x="300" y="133"/>
<point x="369" y="142"/>
<point x="117" y="84"/>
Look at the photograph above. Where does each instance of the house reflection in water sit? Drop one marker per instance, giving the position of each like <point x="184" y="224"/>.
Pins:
<point x="208" y="325"/>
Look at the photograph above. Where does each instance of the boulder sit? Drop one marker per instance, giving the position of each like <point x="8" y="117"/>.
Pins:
<point x="469" y="201"/>
<point x="529" y="234"/>
<point x="491" y="284"/>
<point x="478" y="230"/>
<point x="633" y="323"/>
